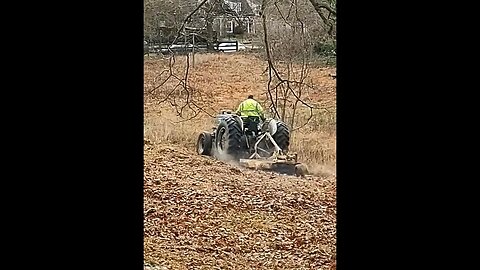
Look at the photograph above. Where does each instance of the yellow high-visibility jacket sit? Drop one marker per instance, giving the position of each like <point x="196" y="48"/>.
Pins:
<point x="250" y="107"/>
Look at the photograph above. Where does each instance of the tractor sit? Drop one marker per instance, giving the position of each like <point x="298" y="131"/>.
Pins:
<point x="249" y="140"/>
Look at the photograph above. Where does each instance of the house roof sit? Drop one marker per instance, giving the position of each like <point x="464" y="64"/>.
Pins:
<point x="248" y="6"/>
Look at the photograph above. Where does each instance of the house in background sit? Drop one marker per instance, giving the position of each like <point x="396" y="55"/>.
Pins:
<point x="239" y="19"/>
<point x="242" y="18"/>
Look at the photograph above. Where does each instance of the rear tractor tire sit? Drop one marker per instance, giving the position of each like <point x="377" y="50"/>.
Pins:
<point x="282" y="136"/>
<point x="228" y="139"/>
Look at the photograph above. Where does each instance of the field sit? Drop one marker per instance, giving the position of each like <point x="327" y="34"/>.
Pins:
<point x="201" y="213"/>
<point x="228" y="79"/>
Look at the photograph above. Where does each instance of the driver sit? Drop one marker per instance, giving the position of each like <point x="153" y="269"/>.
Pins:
<point x="250" y="107"/>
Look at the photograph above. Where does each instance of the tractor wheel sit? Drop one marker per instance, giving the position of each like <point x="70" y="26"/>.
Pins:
<point x="228" y="138"/>
<point x="282" y="136"/>
<point x="204" y="144"/>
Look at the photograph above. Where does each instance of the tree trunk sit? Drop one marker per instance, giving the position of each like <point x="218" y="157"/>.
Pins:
<point x="210" y="34"/>
<point x="318" y="8"/>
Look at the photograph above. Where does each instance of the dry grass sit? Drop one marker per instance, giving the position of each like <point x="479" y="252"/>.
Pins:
<point x="160" y="127"/>
<point x="227" y="79"/>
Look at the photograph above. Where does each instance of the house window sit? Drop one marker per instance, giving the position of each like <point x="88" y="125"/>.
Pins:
<point x="237" y="7"/>
<point x="230" y="27"/>
<point x="250" y="26"/>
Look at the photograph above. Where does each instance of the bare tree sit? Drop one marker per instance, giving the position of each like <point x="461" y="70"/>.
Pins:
<point x="187" y="100"/>
<point x="288" y="42"/>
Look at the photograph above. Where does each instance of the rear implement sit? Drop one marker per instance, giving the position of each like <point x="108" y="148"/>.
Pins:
<point x="279" y="161"/>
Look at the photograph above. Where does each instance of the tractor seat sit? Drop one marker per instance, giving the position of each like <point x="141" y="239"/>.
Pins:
<point x="251" y="123"/>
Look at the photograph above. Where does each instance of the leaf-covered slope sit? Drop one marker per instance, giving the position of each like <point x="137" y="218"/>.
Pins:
<point x="201" y="213"/>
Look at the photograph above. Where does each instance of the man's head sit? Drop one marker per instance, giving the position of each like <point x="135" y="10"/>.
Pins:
<point x="250" y="96"/>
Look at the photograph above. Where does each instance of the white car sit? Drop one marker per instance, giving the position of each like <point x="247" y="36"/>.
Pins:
<point x="231" y="47"/>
